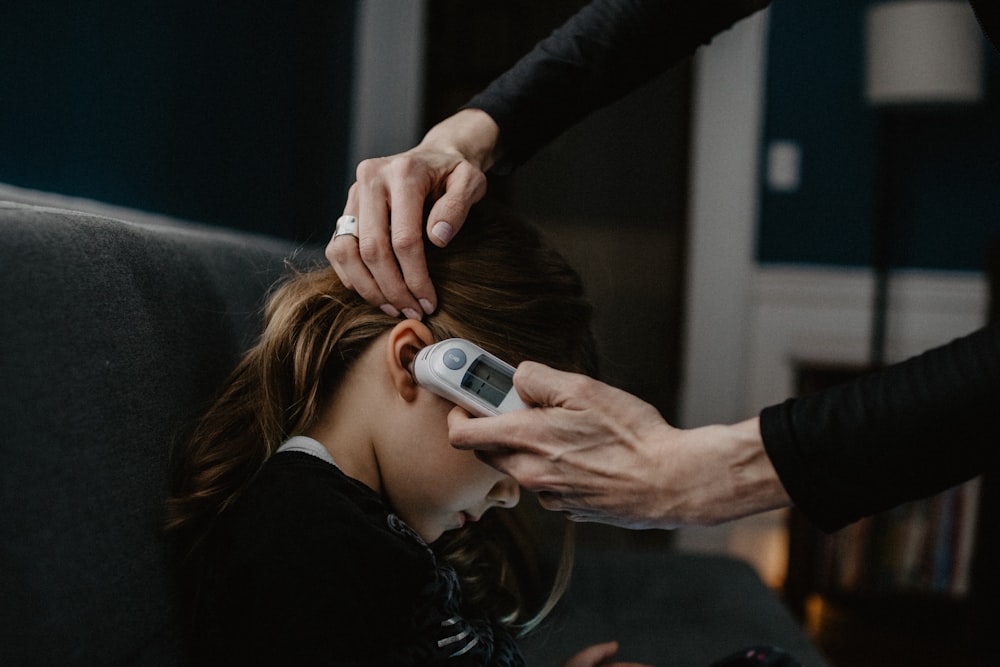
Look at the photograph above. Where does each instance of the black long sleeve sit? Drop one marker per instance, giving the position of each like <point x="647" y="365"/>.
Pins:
<point x="607" y="49"/>
<point x="899" y="434"/>
<point x="904" y="432"/>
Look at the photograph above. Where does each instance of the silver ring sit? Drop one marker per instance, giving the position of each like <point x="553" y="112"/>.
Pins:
<point x="346" y="224"/>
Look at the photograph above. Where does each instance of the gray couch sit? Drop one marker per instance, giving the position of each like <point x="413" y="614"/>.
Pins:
<point x="116" y="327"/>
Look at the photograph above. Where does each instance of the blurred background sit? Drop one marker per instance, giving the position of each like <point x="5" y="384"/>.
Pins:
<point x="725" y="216"/>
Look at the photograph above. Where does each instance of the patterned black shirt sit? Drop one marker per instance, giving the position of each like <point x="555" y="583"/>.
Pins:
<point x="312" y="567"/>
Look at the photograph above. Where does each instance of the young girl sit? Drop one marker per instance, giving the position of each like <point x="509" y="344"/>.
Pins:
<point x="321" y="514"/>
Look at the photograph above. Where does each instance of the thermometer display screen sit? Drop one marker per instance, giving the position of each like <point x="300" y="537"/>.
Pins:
<point x="487" y="381"/>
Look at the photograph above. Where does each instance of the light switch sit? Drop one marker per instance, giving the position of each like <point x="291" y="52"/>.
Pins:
<point x="784" y="166"/>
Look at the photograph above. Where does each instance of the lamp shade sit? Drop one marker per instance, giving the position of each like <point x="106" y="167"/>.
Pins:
<point x="923" y="52"/>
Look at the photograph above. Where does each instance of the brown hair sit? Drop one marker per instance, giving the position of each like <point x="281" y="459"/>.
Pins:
<point x="499" y="285"/>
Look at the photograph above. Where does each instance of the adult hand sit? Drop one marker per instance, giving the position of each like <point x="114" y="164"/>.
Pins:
<point x="598" y="655"/>
<point x="385" y="263"/>
<point x="600" y="454"/>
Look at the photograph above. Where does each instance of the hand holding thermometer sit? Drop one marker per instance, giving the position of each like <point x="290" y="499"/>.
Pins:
<point x="467" y="375"/>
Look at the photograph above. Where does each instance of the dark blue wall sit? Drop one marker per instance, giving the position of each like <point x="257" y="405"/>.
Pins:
<point x="231" y="112"/>
<point x="948" y="182"/>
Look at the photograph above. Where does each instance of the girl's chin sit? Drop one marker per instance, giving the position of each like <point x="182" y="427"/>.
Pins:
<point x="457" y="522"/>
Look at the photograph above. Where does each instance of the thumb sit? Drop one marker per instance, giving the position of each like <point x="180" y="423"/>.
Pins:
<point x="465" y="186"/>
<point x="541" y="385"/>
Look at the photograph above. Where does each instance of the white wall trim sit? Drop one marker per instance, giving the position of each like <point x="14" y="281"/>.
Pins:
<point x="726" y="131"/>
<point x="824" y="315"/>
<point x="726" y="135"/>
<point x="389" y="58"/>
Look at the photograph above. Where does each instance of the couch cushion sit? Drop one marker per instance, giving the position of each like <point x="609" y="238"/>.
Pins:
<point x="667" y="608"/>
<point x="114" y="334"/>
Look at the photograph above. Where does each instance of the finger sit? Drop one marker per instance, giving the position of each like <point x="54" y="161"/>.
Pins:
<point x="538" y="384"/>
<point x="551" y="501"/>
<point x="492" y="442"/>
<point x="339" y="255"/>
<point x="534" y="473"/>
<point x="343" y="254"/>
<point x="465" y="186"/>
<point x="374" y="242"/>
<point x="568" y="504"/>
<point x="492" y="435"/>
<point x="416" y="289"/>
<point x="465" y="433"/>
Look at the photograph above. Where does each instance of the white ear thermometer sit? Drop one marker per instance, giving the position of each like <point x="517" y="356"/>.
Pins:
<point x="467" y="375"/>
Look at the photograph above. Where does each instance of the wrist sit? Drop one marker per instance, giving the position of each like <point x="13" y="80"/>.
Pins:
<point x="725" y="475"/>
<point x="470" y="133"/>
<point x="755" y="484"/>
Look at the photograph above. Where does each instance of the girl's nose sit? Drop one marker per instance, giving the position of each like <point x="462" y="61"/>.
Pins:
<point x="505" y="493"/>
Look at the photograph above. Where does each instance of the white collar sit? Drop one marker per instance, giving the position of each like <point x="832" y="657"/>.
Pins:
<point x="306" y="445"/>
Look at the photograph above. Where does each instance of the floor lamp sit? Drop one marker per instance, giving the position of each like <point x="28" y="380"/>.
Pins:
<point x="921" y="56"/>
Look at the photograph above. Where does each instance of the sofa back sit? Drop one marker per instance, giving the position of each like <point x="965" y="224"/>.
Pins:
<point x="115" y="330"/>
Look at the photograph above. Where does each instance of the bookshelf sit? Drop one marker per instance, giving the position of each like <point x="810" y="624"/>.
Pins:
<point x="861" y="616"/>
<point x="922" y="548"/>
<point x="915" y="585"/>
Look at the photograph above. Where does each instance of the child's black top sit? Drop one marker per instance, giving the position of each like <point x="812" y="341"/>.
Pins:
<point x="311" y="566"/>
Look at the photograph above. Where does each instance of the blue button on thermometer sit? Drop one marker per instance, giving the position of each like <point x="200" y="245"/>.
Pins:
<point x="467" y="375"/>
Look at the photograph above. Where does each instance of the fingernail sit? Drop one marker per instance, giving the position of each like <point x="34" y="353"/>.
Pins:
<point x="412" y="314"/>
<point x="443" y="231"/>
<point x="389" y="310"/>
<point x="427" y="306"/>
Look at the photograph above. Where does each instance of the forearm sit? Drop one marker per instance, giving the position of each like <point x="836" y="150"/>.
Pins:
<point x="905" y="432"/>
<point x="606" y="50"/>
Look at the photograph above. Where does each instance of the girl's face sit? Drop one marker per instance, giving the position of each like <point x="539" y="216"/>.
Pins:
<point x="431" y="485"/>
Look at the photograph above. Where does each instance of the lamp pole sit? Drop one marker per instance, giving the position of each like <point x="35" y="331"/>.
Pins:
<point x="920" y="54"/>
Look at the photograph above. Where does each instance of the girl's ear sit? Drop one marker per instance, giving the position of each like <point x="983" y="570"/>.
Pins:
<point x="405" y="340"/>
